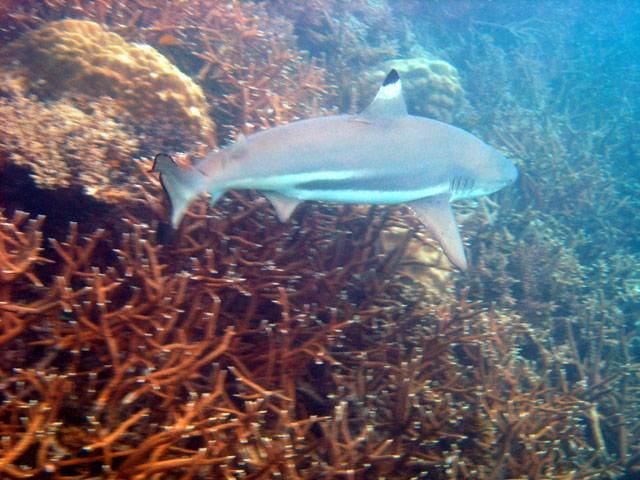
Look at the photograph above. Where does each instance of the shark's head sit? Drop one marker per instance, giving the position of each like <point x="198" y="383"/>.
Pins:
<point x="489" y="172"/>
<point x="498" y="172"/>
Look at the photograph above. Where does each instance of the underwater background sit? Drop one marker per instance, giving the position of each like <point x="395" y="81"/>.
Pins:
<point x="342" y="344"/>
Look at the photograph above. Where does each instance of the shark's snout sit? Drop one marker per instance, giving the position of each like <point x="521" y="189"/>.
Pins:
<point x="506" y="172"/>
<point x="512" y="172"/>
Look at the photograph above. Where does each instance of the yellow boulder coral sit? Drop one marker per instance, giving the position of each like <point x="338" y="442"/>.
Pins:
<point x="432" y="87"/>
<point x="72" y="56"/>
<point x="422" y="262"/>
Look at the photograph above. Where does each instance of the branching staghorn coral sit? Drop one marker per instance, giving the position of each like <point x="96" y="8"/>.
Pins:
<point x="565" y="261"/>
<point x="353" y="35"/>
<point x="239" y="349"/>
<point x="252" y="69"/>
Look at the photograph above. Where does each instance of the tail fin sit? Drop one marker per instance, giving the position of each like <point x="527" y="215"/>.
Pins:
<point x="182" y="185"/>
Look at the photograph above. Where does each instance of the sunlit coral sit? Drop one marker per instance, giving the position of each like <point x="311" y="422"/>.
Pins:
<point x="78" y="56"/>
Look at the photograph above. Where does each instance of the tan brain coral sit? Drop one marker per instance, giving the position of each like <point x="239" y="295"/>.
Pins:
<point x="72" y="56"/>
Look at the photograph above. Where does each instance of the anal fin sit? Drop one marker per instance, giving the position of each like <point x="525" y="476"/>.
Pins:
<point x="436" y="214"/>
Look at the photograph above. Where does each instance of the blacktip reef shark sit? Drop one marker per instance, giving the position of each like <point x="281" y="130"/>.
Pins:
<point x="381" y="156"/>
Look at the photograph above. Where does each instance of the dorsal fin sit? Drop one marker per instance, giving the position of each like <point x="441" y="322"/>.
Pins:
<point x="388" y="101"/>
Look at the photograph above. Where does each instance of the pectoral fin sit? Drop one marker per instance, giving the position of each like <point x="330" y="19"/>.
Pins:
<point x="284" y="205"/>
<point x="435" y="212"/>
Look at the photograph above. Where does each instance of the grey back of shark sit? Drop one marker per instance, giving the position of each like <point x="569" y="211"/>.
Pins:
<point x="381" y="156"/>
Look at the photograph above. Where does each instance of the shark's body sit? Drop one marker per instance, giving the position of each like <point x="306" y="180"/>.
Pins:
<point x="381" y="156"/>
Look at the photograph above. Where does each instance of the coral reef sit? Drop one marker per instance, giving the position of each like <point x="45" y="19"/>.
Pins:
<point x="353" y="35"/>
<point x="567" y="255"/>
<point x="78" y="56"/>
<point x="338" y="345"/>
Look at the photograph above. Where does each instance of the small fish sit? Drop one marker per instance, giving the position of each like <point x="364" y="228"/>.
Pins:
<point x="381" y="156"/>
<point x="167" y="39"/>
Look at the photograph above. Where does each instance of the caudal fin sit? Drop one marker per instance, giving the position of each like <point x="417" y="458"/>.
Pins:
<point x="182" y="184"/>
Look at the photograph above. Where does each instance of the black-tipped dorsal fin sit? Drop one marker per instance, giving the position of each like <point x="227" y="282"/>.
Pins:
<point x="388" y="101"/>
